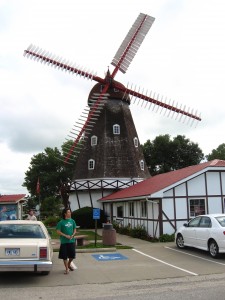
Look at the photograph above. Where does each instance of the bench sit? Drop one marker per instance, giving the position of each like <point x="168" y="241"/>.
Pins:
<point x="80" y="239"/>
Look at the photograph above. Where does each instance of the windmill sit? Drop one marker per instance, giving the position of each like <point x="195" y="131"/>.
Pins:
<point x="111" y="156"/>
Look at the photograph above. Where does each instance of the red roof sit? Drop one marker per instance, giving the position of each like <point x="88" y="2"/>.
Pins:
<point x="11" y="198"/>
<point x="161" y="181"/>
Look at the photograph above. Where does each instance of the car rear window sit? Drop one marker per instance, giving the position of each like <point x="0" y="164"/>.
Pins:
<point x="221" y="220"/>
<point x="28" y="231"/>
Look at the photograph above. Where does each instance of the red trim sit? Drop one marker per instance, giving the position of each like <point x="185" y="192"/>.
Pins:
<point x="12" y="198"/>
<point x="161" y="181"/>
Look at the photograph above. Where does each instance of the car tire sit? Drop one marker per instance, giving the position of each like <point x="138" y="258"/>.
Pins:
<point x="180" y="241"/>
<point x="213" y="249"/>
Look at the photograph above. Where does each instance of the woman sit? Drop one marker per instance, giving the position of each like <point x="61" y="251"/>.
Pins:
<point x="66" y="228"/>
<point x="31" y="216"/>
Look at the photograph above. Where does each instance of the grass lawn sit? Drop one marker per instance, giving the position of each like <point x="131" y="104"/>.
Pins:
<point x="90" y="237"/>
<point x="90" y="234"/>
<point x="100" y="245"/>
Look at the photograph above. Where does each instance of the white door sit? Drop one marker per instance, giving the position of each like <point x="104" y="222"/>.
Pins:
<point x="189" y="233"/>
<point x="202" y="232"/>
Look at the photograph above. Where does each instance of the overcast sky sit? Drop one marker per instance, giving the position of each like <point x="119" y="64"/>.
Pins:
<point x="182" y="58"/>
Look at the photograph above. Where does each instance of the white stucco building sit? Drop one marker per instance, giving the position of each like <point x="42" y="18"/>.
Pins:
<point x="164" y="202"/>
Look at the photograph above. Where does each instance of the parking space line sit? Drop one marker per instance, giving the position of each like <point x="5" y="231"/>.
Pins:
<point x="165" y="263"/>
<point x="185" y="253"/>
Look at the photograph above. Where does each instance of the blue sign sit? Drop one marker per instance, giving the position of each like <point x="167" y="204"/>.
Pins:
<point x="96" y="213"/>
<point x="111" y="256"/>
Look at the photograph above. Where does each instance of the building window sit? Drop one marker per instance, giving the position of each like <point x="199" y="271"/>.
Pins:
<point x="196" y="207"/>
<point x="91" y="164"/>
<point x="131" y="209"/>
<point x="143" y="209"/>
<point x="120" y="211"/>
<point x="116" y="129"/>
<point x="142" y="165"/>
<point x="116" y="90"/>
<point x="94" y="140"/>
<point x="136" y="142"/>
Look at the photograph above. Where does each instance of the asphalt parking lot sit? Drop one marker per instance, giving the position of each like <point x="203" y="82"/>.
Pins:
<point x="146" y="261"/>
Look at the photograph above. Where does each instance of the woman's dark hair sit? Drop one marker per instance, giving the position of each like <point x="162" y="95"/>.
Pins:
<point x="64" y="212"/>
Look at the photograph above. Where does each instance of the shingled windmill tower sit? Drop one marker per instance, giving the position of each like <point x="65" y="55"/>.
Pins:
<point x="106" y="145"/>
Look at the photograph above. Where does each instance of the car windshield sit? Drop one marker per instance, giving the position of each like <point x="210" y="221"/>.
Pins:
<point x="27" y="231"/>
<point x="221" y="220"/>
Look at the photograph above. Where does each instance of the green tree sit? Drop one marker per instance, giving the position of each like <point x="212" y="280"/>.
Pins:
<point x="147" y="149"/>
<point x="49" y="168"/>
<point x="157" y="154"/>
<point x="163" y="154"/>
<point x="51" y="206"/>
<point x="218" y="153"/>
<point x="186" y="153"/>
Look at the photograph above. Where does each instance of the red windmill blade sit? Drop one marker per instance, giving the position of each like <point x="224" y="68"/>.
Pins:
<point x="121" y="61"/>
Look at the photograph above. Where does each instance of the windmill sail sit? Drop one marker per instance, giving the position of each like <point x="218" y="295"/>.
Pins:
<point x="132" y="42"/>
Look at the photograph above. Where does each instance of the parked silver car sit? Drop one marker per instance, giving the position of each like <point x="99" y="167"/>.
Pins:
<point x="25" y="246"/>
<point x="206" y="232"/>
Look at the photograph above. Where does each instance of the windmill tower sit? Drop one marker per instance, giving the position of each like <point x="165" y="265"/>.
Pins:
<point x="106" y="144"/>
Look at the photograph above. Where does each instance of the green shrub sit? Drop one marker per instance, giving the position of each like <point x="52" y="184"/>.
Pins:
<point x="167" y="238"/>
<point x="136" y="232"/>
<point x="84" y="218"/>
<point x="116" y="226"/>
<point x="125" y="230"/>
<point x="51" y="221"/>
<point x="139" y="232"/>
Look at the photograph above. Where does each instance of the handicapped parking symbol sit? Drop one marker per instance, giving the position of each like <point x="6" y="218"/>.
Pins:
<point x="111" y="256"/>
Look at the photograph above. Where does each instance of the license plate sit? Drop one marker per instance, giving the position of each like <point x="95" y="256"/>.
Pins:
<point x="12" y="251"/>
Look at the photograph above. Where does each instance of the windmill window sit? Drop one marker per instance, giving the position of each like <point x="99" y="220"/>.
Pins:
<point x="116" y="129"/>
<point x="94" y="140"/>
<point x="136" y="142"/>
<point x="142" y="165"/>
<point x="91" y="164"/>
<point x="116" y="90"/>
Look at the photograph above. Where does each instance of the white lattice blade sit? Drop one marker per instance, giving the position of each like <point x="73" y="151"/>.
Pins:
<point x="38" y="54"/>
<point x="132" y="42"/>
<point x="155" y="101"/>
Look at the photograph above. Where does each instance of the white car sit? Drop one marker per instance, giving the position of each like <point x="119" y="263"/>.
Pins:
<point x="25" y="246"/>
<point x="206" y="232"/>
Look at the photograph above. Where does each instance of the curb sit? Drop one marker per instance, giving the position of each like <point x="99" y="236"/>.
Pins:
<point x="91" y="250"/>
<point x="94" y="250"/>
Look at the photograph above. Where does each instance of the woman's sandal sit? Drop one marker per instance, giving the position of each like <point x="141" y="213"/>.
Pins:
<point x="66" y="272"/>
<point x="70" y="268"/>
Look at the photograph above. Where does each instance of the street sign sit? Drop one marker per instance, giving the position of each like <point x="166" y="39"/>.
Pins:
<point x="111" y="256"/>
<point x="96" y="213"/>
<point x="96" y="216"/>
